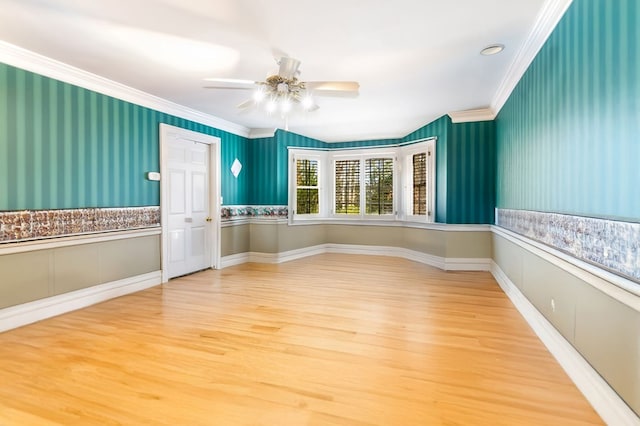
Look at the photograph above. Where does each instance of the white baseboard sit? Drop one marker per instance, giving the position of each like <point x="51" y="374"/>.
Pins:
<point x="606" y="402"/>
<point x="451" y="264"/>
<point x="286" y="256"/>
<point x="233" y="260"/>
<point x="467" y="264"/>
<point x="27" y="313"/>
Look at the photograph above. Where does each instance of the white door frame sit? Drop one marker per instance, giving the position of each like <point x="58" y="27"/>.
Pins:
<point x="167" y="131"/>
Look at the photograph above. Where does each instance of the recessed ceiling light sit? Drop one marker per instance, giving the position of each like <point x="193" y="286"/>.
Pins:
<point x="492" y="49"/>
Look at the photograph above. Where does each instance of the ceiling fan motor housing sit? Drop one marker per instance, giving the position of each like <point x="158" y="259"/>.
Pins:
<point x="288" y="67"/>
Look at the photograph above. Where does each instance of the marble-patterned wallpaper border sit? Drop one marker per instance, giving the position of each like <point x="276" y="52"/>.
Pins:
<point x="28" y="225"/>
<point x="611" y="244"/>
<point x="229" y="213"/>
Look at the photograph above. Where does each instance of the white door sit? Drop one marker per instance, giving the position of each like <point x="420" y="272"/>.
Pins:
<point x="189" y="228"/>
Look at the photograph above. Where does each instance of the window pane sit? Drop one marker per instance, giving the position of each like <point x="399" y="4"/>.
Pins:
<point x="420" y="184"/>
<point x="347" y="186"/>
<point x="307" y="172"/>
<point x="379" y="185"/>
<point x="307" y="201"/>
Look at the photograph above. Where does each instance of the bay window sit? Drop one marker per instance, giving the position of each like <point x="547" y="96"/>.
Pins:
<point x="384" y="183"/>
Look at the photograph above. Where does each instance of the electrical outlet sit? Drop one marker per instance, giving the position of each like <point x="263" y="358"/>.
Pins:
<point x="553" y="305"/>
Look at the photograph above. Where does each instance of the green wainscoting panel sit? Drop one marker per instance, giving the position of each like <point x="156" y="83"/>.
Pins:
<point x="430" y="241"/>
<point x="568" y="136"/>
<point x="300" y="236"/>
<point x="273" y="237"/>
<point x="607" y="334"/>
<point x="510" y="258"/>
<point x="604" y="330"/>
<point x="62" y="146"/>
<point x="235" y="239"/>
<point x="76" y="267"/>
<point x="391" y="236"/>
<point x="42" y="273"/>
<point x="264" y="237"/>
<point x="25" y="277"/>
<point x="120" y="259"/>
<point x="468" y="244"/>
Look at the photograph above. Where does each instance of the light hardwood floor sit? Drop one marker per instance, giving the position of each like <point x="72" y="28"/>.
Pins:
<point x="326" y="340"/>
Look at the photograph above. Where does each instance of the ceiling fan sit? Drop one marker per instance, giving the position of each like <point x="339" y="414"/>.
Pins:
<point x="282" y="91"/>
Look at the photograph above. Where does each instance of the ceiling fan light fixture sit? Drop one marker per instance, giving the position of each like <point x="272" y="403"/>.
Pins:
<point x="259" y="95"/>
<point x="493" y="49"/>
<point x="283" y="93"/>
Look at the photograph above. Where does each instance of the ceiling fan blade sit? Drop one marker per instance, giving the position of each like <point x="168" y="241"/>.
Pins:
<point x="230" y="83"/>
<point x="278" y="53"/>
<point x="227" y="87"/>
<point x="336" y="94"/>
<point x="288" y="67"/>
<point x="313" y="107"/>
<point x="246" y="104"/>
<point x="333" y="86"/>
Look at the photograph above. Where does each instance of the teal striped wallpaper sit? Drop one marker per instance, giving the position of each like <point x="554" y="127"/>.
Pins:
<point x="465" y="167"/>
<point x="471" y="162"/>
<point x="235" y="191"/>
<point x="286" y="139"/>
<point x="62" y="146"/>
<point x="264" y="160"/>
<point x="568" y="138"/>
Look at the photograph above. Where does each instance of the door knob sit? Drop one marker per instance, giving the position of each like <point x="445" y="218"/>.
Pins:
<point x="208" y="219"/>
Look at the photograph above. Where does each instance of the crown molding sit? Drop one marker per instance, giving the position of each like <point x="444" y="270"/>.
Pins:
<point x="262" y="133"/>
<point x="34" y="62"/>
<point x="550" y="14"/>
<point x="471" y="115"/>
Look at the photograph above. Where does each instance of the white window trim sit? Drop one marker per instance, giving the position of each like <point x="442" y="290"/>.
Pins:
<point x="407" y="153"/>
<point x="321" y="158"/>
<point x="402" y="182"/>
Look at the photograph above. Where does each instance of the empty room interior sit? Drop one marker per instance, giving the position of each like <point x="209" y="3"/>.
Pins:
<point x="234" y="212"/>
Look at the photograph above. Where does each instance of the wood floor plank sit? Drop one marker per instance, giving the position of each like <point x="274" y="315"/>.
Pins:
<point x="326" y="340"/>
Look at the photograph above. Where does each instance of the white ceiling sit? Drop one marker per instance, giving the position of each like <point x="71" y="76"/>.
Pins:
<point x="415" y="60"/>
